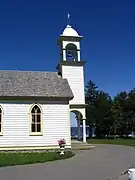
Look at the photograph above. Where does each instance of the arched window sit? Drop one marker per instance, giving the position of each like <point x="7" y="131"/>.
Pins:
<point x="36" y="120"/>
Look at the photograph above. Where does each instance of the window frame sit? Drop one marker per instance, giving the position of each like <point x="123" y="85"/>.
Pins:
<point x="30" y="121"/>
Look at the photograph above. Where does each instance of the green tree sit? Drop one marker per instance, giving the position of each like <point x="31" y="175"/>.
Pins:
<point x="110" y="117"/>
<point x="98" y="110"/>
<point x="130" y="110"/>
<point x="103" y="114"/>
<point x="91" y="93"/>
<point x="120" y="111"/>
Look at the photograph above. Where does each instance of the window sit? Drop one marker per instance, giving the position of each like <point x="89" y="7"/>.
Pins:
<point x="36" y="125"/>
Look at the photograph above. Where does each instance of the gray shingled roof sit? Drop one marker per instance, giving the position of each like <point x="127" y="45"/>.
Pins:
<point x="33" y="84"/>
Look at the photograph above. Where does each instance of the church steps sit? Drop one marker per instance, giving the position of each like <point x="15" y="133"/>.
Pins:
<point x="79" y="145"/>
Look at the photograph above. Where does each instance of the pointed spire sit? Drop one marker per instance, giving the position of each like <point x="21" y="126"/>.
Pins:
<point x="68" y="19"/>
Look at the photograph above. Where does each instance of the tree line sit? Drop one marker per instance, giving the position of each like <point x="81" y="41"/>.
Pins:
<point x="111" y="117"/>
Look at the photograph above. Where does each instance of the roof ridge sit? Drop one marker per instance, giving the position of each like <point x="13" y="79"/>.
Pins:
<point x="27" y="71"/>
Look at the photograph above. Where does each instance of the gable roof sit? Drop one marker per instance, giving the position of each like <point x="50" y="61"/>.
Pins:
<point x="33" y="84"/>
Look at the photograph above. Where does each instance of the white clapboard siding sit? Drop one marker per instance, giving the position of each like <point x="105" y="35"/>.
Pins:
<point x="16" y="130"/>
<point x="75" y="77"/>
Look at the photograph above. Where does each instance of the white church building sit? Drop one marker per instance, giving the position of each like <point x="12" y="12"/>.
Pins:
<point x="35" y="106"/>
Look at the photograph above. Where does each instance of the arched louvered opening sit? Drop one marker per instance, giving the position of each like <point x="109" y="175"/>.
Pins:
<point x="71" y="52"/>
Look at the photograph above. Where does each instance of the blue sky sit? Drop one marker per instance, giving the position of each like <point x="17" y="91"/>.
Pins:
<point x="29" y="31"/>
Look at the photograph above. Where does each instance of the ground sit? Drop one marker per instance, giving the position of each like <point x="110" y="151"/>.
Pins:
<point x="96" y="164"/>
<point x="118" y="141"/>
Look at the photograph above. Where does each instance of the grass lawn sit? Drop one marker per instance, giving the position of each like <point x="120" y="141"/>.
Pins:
<point x="127" y="142"/>
<point x="11" y="159"/>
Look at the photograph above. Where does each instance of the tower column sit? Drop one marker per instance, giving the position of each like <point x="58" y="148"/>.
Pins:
<point x="64" y="55"/>
<point x="84" y="130"/>
<point x="78" y="123"/>
<point x="78" y="54"/>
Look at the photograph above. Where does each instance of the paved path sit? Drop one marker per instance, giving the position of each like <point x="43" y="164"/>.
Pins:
<point x="96" y="164"/>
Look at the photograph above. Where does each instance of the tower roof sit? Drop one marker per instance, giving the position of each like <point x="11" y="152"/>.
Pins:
<point x="69" y="31"/>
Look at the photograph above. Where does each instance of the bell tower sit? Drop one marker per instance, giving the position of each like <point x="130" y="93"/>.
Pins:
<point x="71" y="67"/>
<point x="69" y="43"/>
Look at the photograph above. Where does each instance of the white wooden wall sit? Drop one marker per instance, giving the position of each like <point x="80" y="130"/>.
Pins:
<point x="16" y="130"/>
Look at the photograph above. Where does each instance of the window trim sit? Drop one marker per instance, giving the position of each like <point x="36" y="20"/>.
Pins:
<point x="30" y="121"/>
<point x="2" y="116"/>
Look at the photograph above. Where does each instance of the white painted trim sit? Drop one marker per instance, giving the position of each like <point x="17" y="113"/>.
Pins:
<point x="84" y="130"/>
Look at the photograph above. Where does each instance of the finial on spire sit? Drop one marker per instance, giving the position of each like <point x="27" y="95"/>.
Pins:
<point x="68" y="18"/>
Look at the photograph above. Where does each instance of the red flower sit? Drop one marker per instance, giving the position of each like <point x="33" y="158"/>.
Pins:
<point x="61" y="142"/>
